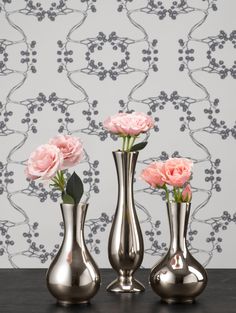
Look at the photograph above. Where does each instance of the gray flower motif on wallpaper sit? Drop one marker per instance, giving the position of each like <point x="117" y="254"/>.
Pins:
<point x="96" y="67"/>
<point x="214" y="43"/>
<point x="53" y="9"/>
<point x="182" y="105"/>
<point x="27" y="57"/>
<point x="162" y="11"/>
<point x="36" y="9"/>
<point x="3" y="56"/>
<point x="187" y="119"/>
<point x="38" y="250"/>
<point x="62" y="105"/>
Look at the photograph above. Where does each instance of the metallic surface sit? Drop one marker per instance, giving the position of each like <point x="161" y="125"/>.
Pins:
<point x="73" y="276"/>
<point x="125" y="247"/>
<point x="178" y="277"/>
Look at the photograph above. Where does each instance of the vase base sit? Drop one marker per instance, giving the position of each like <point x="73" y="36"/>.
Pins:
<point x="178" y="300"/>
<point x="68" y="303"/>
<point x="119" y="286"/>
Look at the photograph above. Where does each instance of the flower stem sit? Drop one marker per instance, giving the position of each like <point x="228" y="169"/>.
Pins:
<point x="123" y="144"/>
<point x="132" y="140"/>
<point x="180" y="194"/>
<point x="175" y="194"/>
<point x="127" y="146"/>
<point x="167" y="193"/>
<point x="59" y="181"/>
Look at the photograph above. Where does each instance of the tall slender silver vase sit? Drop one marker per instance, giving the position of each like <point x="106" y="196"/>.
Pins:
<point x="125" y="247"/>
<point x="178" y="277"/>
<point x="73" y="277"/>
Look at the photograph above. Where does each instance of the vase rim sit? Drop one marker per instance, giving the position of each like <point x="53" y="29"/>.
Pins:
<point x="173" y="202"/>
<point x="180" y="204"/>
<point x="80" y="203"/>
<point x="125" y="152"/>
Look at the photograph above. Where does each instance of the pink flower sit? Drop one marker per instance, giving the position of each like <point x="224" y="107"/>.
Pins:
<point x="187" y="194"/>
<point x="177" y="171"/>
<point x="44" y="162"/>
<point x="153" y="174"/>
<point x="112" y="123"/>
<point x="129" y="124"/>
<point x="71" y="149"/>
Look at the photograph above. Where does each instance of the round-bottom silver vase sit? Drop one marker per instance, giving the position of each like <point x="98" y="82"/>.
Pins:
<point x="178" y="277"/>
<point x="125" y="247"/>
<point x="73" y="277"/>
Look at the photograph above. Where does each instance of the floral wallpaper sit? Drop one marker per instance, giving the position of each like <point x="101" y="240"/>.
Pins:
<point x="65" y="65"/>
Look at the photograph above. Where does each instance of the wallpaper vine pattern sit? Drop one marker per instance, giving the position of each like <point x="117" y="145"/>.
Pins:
<point x="66" y="65"/>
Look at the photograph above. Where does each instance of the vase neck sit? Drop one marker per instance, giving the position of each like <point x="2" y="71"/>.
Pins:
<point x="125" y="167"/>
<point x="74" y="219"/>
<point x="178" y="214"/>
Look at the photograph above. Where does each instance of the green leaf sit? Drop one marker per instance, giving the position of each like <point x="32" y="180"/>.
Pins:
<point x="139" y="146"/>
<point x="67" y="199"/>
<point x="75" y="188"/>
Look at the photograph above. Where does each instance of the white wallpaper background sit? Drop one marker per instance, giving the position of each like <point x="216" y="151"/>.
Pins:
<point x="68" y="64"/>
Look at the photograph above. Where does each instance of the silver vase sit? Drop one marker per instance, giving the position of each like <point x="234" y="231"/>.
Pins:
<point x="73" y="277"/>
<point x="178" y="277"/>
<point x="125" y="247"/>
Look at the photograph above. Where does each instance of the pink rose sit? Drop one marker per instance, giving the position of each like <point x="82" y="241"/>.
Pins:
<point x="177" y="171"/>
<point x="71" y="149"/>
<point x="129" y="124"/>
<point x="112" y="123"/>
<point x="44" y="162"/>
<point x="187" y="194"/>
<point x="153" y="174"/>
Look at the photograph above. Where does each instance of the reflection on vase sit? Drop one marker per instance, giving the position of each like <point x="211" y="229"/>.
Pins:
<point x="73" y="277"/>
<point x="178" y="277"/>
<point x="125" y="248"/>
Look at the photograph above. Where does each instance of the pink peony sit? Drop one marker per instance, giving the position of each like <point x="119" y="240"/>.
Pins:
<point x="153" y="174"/>
<point x="71" y="149"/>
<point x="128" y="124"/>
<point x="177" y="171"/>
<point x="44" y="162"/>
<point x="187" y="194"/>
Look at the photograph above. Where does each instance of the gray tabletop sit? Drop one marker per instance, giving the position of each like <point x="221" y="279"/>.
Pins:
<point x="24" y="291"/>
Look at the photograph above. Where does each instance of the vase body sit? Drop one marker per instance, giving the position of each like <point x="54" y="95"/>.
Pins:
<point x="178" y="277"/>
<point x="125" y="247"/>
<point x="73" y="277"/>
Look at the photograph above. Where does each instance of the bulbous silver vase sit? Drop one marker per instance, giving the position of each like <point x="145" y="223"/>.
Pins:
<point x="73" y="277"/>
<point x="125" y="247"/>
<point x="178" y="277"/>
